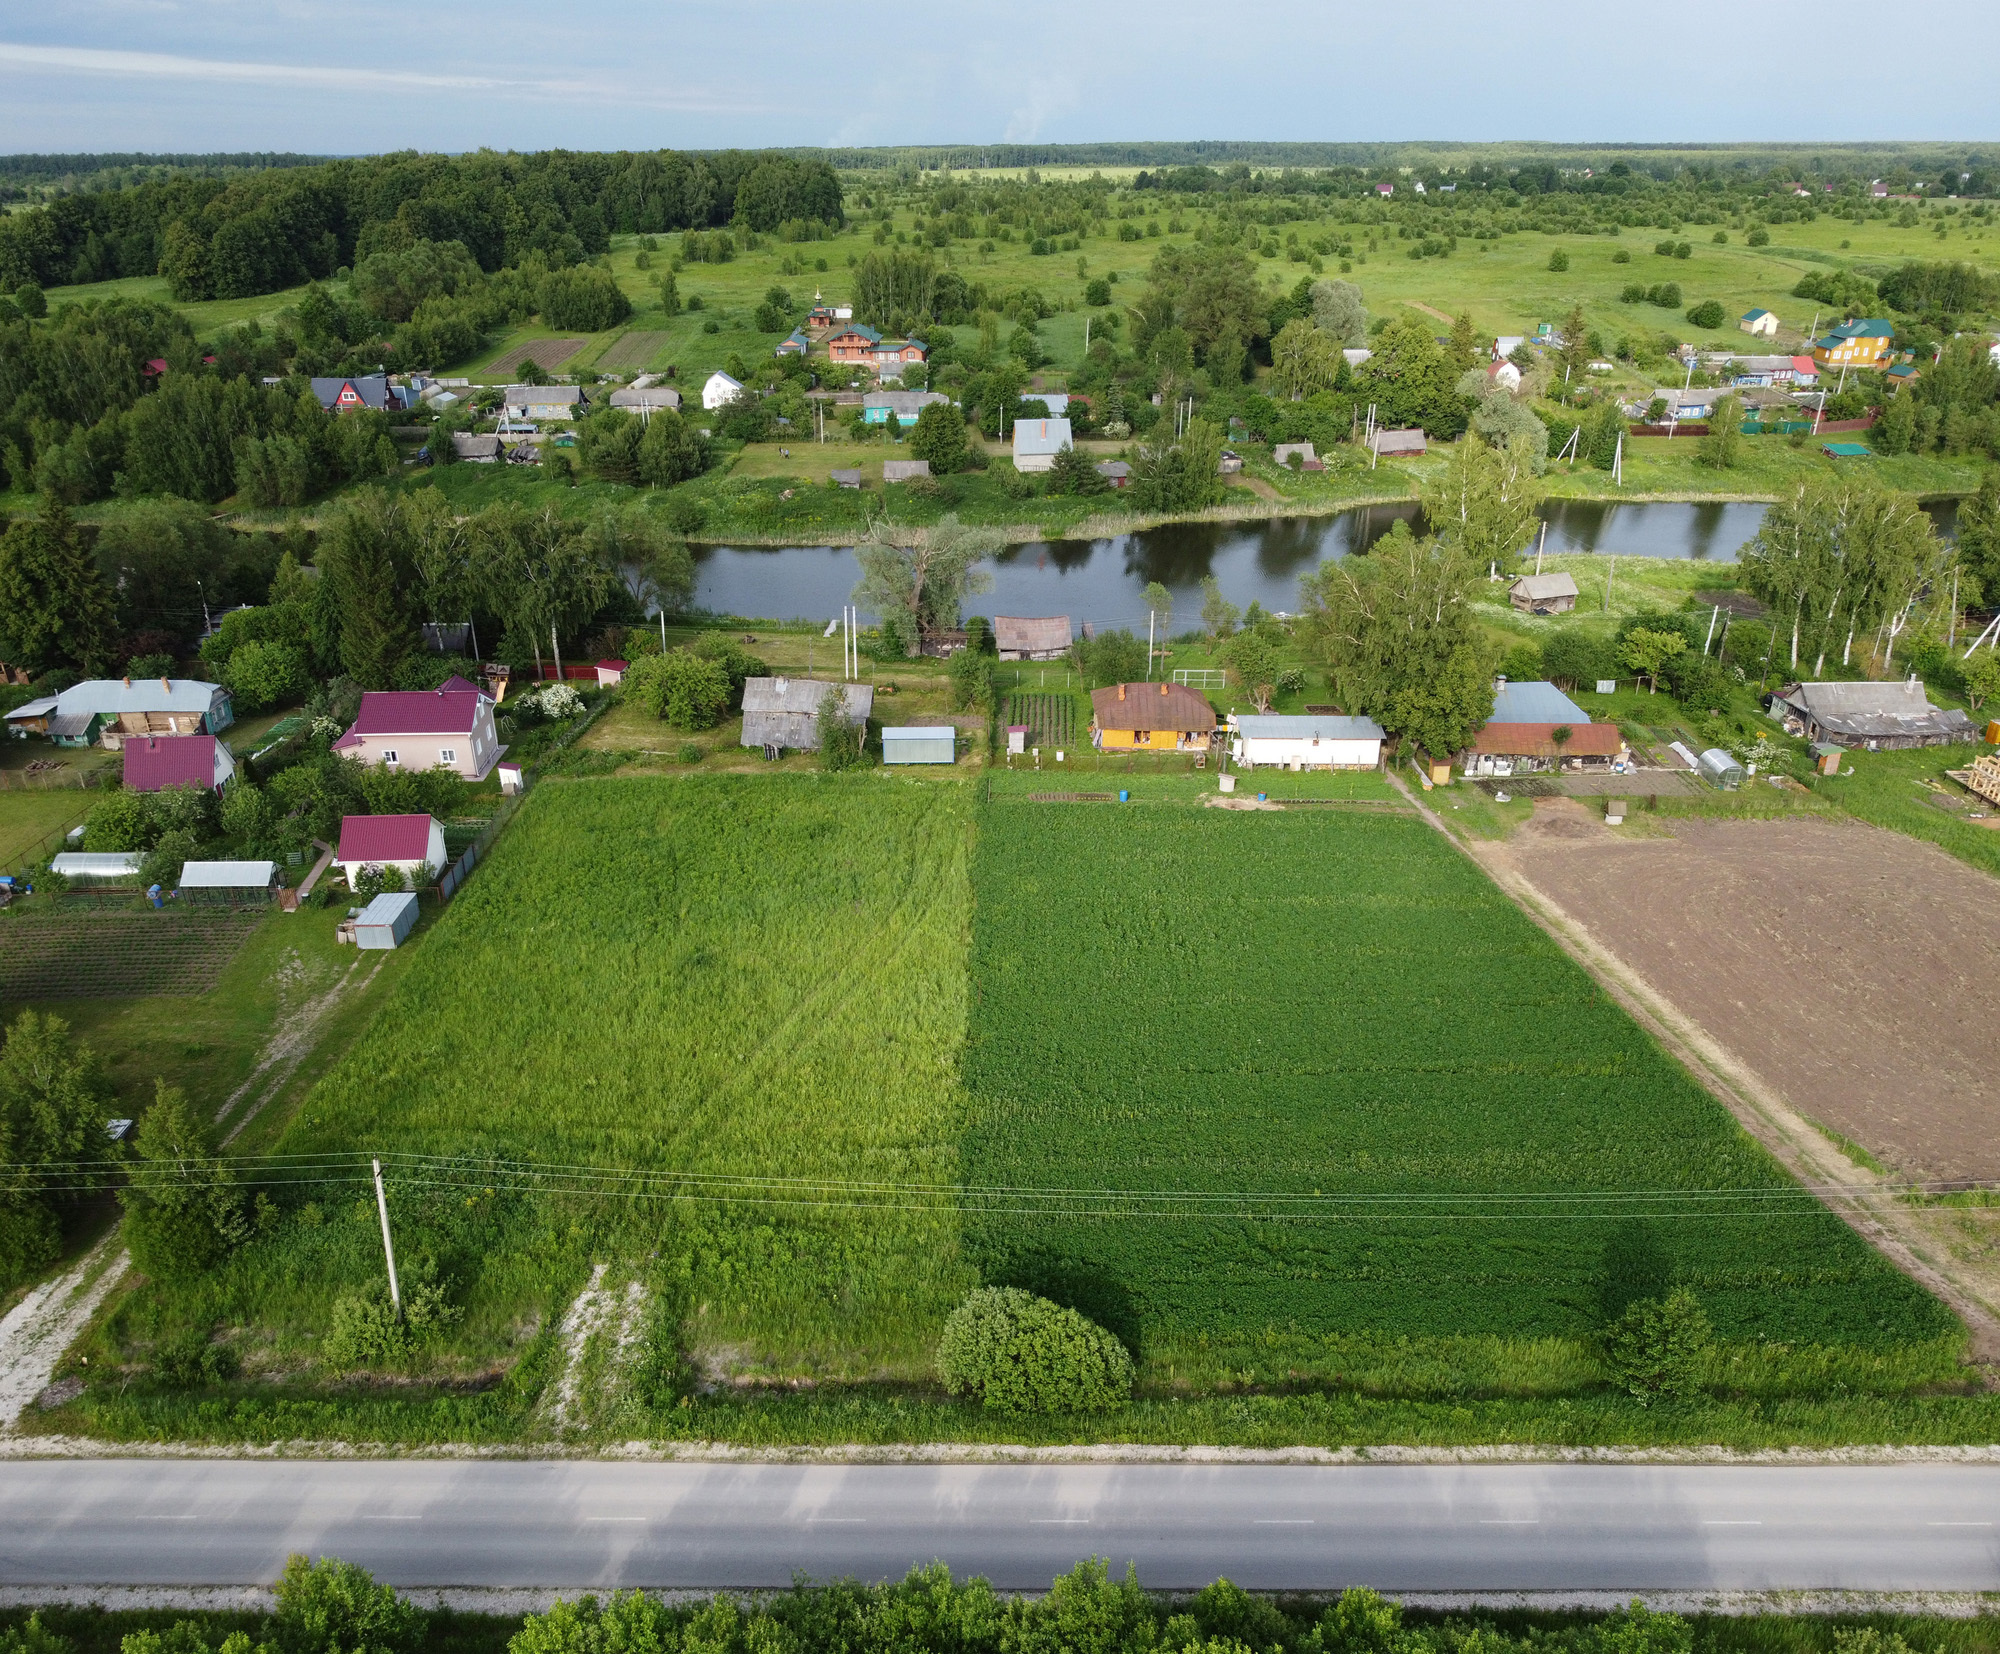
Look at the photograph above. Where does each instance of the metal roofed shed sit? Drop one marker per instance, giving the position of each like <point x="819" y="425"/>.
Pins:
<point x="1535" y="702"/>
<point x="784" y="712"/>
<point x="228" y="883"/>
<point x="1045" y="637"/>
<point x="1399" y="442"/>
<point x="1306" y="741"/>
<point x="1877" y="716"/>
<point x="386" y="921"/>
<point x="99" y="867"/>
<point x="920" y="744"/>
<point x="1720" y="769"/>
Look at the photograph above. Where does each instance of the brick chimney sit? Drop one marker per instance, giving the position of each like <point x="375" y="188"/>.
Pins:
<point x="1163" y="689"/>
<point x="1121" y="692"/>
<point x="128" y="683"/>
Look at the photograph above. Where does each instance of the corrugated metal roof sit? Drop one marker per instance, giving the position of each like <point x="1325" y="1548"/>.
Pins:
<point x="784" y="712"/>
<point x="157" y="761"/>
<point x="384" y="838"/>
<point x="921" y="732"/>
<point x="33" y="709"/>
<point x="1537" y="740"/>
<point x="1152" y="706"/>
<point x="1041" y="436"/>
<point x="115" y="695"/>
<point x="1038" y="633"/>
<point x="1876" y="709"/>
<point x="414" y="712"/>
<point x="228" y="875"/>
<point x="386" y="908"/>
<point x="1316" y="726"/>
<point x="1535" y="702"/>
<point x="1540" y="587"/>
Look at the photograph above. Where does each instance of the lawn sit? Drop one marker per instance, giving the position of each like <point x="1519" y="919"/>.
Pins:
<point x="1319" y="1089"/>
<point x="30" y="816"/>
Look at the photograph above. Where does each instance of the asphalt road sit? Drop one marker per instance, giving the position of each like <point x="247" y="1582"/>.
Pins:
<point x="595" y="1524"/>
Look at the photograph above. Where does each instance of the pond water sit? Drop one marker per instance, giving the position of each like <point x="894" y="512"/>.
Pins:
<point x="1101" y="581"/>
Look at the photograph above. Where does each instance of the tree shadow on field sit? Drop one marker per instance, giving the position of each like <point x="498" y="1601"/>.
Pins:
<point x="1635" y="1267"/>
<point x="1091" y="1293"/>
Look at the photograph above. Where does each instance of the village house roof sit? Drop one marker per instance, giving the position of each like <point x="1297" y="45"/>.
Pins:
<point x="1533" y="702"/>
<point x="1537" y="740"/>
<point x="1866" y="328"/>
<point x="784" y="712"/>
<point x="382" y="839"/>
<point x="901" y="403"/>
<point x="473" y="446"/>
<point x="856" y="330"/>
<point x="115" y="695"/>
<point x="1539" y="588"/>
<point x="157" y="761"/>
<point x="1313" y="726"/>
<point x="1875" y="711"/>
<point x="1151" y="706"/>
<point x="1399" y="442"/>
<point x="1753" y="315"/>
<point x="373" y="390"/>
<point x="1018" y="634"/>
<point x="413" y="712"/>
<point x="544" y="396"/>
<point x="1113" y="468"/>
<point x="646" y="398"/>
<point x="1041" y="436"/>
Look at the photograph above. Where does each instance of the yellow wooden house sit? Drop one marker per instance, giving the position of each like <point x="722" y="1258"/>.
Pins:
<point x="1150" y="717"/>
<point x="1862" y="344"/>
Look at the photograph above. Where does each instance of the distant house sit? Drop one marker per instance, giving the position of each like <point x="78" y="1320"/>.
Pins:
<point x="1507" y="344"/>
<point x="1309" y="742"/>
<point x="1400" y="442"/>
<point x="1038" y="441"/>
<point x="368" y="390"/>
<point x="1862" y="344"/>
<point x="411" y="844"/>
<point x="904" y="470"/>
<point x="1057" y="402"/>
<point x="854" y="343"/>
<point x="1116" y="472"/>
<point x="1504" y="374"/>
<point x="783" y="713"/>
<point x="423" y="729"/>
<point x="821" y="315"/>
<point x="1385" y="190"/>
<point x="156" y="761"/>
<point x="797" y="345"/>
<point x="1762" y="323"/>
<point x="533" y="402"/>
<point x="1683" y="406"/>
<point x="889" y="359"/>
<point x="476" y="449"/>
<point x="1150" y="717"/>
<point x="1875" y="716"/>
<point x="720" y="390"/>
<point x="1356" y="357"/>
<point x="1903" y="373"/>
<point x="905" y="407"/>
<point x="1756" y="372"/>
<point x="1046" y="637"/>
<point x="108" y="710"/>
<point x="1805" y="371"/>
<point x="1543" y="594"/>
<point x="845" y="476"/>
<point x="647" y="399"/>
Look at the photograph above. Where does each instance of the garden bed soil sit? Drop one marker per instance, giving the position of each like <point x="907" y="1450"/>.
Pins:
<point x="1853" y="970"/>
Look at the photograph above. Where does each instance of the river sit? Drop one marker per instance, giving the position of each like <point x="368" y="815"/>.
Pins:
<point x="1100" y="581"/>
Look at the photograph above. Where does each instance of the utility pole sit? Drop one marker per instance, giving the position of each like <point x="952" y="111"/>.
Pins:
<point x="1149" y="645"/>
<point x="388" y="1246"/>
<point x="1539" y="544"/>
<point x="1714" y="615"/>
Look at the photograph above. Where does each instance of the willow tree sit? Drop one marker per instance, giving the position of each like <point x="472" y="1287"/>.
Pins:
<point x="1483" y="503"/>
<point x="915" y="579"/>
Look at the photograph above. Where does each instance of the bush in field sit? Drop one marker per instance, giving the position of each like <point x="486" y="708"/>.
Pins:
<point x="1655" y="1349"/>
<point x="1022" y="1354"/>
<point x="332" y="1607"/>
<point x="680" y="688"/>
<point x="183" y="1209"/>
<point x="840" y="738"/>
<point x="1708" y="314"/>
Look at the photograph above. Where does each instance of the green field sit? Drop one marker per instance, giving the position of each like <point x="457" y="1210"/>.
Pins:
<point x="1335" y="1008"/>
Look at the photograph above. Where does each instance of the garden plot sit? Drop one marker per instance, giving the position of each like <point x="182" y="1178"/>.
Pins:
<point x="546" y="354"/>
<point x="631" y="352"/>
<point x="115" y="955"/>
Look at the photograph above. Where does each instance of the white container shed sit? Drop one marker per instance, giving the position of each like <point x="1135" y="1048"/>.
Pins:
<point x="98" y="866"/>
<point x="920" y="744"/>
<point x="1720" y="769"/>
<point x="386" y="921"/>
<point x="1306" y="741"/>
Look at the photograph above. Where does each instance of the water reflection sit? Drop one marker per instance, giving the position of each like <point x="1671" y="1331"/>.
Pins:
<point x="1100" y="581"/>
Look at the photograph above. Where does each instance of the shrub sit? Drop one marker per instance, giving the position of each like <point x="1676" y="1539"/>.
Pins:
<point x="1667" y="295"/>
<point x="1022" y="1354"/>
<point x="364" y="1331"/>
<point x="193" y="1359"/>
<point x="972" y="681"/>
<point x="1633" y="292"/>
<point x="690" y="753"/>
<point x="1708" y="314"/>
<point x="1759" y="237"/>
<point x="1622" y="256"/>
<point x="1655" y="1349"/>
<point x="681" y="688"/>
<point x="332" y="1607"/>
<point x="840" y="740"/>
<point x="1558" y="261"/>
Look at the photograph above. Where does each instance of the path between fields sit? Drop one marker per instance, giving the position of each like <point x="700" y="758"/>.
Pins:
<point x="46" y="1322"/>
<point x="291" y="1042"/>
<point x="1865" y="1200"/>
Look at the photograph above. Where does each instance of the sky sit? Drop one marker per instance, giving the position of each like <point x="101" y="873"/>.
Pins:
<point x="359" y="76"/>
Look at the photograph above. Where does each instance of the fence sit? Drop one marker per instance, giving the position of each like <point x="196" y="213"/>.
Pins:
<point x="1754" y="428"/>
<point x="60" y="775"/>
<point x="571" y="672"/>
<point x="1201" y="677"/>
<point x="474" y="853"/>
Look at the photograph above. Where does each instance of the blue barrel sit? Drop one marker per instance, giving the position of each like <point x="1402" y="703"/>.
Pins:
<point x="1263" y="797"/>
<point x="1124" y="797"/>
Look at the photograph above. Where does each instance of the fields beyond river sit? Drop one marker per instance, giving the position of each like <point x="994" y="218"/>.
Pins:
<point x="1292" y="1097"/>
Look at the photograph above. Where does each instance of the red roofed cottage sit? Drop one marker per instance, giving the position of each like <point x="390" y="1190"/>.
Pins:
<point x="156" y="761"/>
<point x="409" y="844"/>
<point x="420" y="729"/>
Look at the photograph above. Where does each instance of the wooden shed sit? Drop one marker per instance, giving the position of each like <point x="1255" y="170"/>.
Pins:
<point x="1043" y="638"/>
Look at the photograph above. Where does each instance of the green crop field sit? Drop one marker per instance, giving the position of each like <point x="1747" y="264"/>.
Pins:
<point x="1435" y="1126"/>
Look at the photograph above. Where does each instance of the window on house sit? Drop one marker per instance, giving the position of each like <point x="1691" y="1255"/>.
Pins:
<point x="389" y="758"/>
<point x="447" y="755"/>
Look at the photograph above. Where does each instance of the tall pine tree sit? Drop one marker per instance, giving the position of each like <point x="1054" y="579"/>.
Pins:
<point x="55" y="609"/>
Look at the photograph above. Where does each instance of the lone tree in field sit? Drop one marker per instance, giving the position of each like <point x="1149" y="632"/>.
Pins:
<point x="1655" y="1349"/>
<point x="1022" y="1354"/>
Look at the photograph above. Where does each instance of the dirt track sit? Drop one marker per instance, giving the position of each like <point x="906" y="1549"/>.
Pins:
<point x="1855" y="971"/>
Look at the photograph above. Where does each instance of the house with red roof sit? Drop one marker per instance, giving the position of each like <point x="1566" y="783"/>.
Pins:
<point x="403" y="844"/>
<point x="156" y="761"/>
<point x="421" y="729"/>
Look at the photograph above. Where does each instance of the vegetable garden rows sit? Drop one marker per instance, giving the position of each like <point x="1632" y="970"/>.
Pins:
<point x="106" y="955"/>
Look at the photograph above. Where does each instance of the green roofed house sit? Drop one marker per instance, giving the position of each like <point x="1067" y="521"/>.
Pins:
<point x="1762" y="323"/>
<point x="1862" y="344"/>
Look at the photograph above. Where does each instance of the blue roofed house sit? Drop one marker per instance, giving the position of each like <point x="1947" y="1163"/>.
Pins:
<point x="1038" y="441"/>
<point x="906" y="407"/>
<point x="105" y="711"/>
<point x="797" y="345"/>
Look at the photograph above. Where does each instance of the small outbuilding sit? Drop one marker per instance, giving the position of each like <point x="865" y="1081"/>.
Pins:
<point x="1045" y="637"/>
<point x="1311" y="741"/>
<point x="386" y="921"/>
<point x="477" y="448"/>
<point x="904" y="470"/>
<point x="920" y="744"/>
<point x="412" y="845"/>
<point x="611" y="673"/>
<point x="1393" y="443"/>
<point x="1116" y="472"/>
<point x="156" y="761"/>
<point x="1543" y="594"/>
<point x="783" y="713"/>
<point x="1762" y="323"/>
<point x="1720" y="769"/>
<point x="1285" y="452"/>
<point x="845" y="476"/>
<point x="229" y="883"/>
<point x="1038" y="441"/>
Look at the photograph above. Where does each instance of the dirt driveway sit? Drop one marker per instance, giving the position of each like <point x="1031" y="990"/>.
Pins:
<point x="1856" y="972"/>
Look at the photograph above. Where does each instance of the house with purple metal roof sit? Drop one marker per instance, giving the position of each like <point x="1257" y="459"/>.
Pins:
<point x="156" y="761"/>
